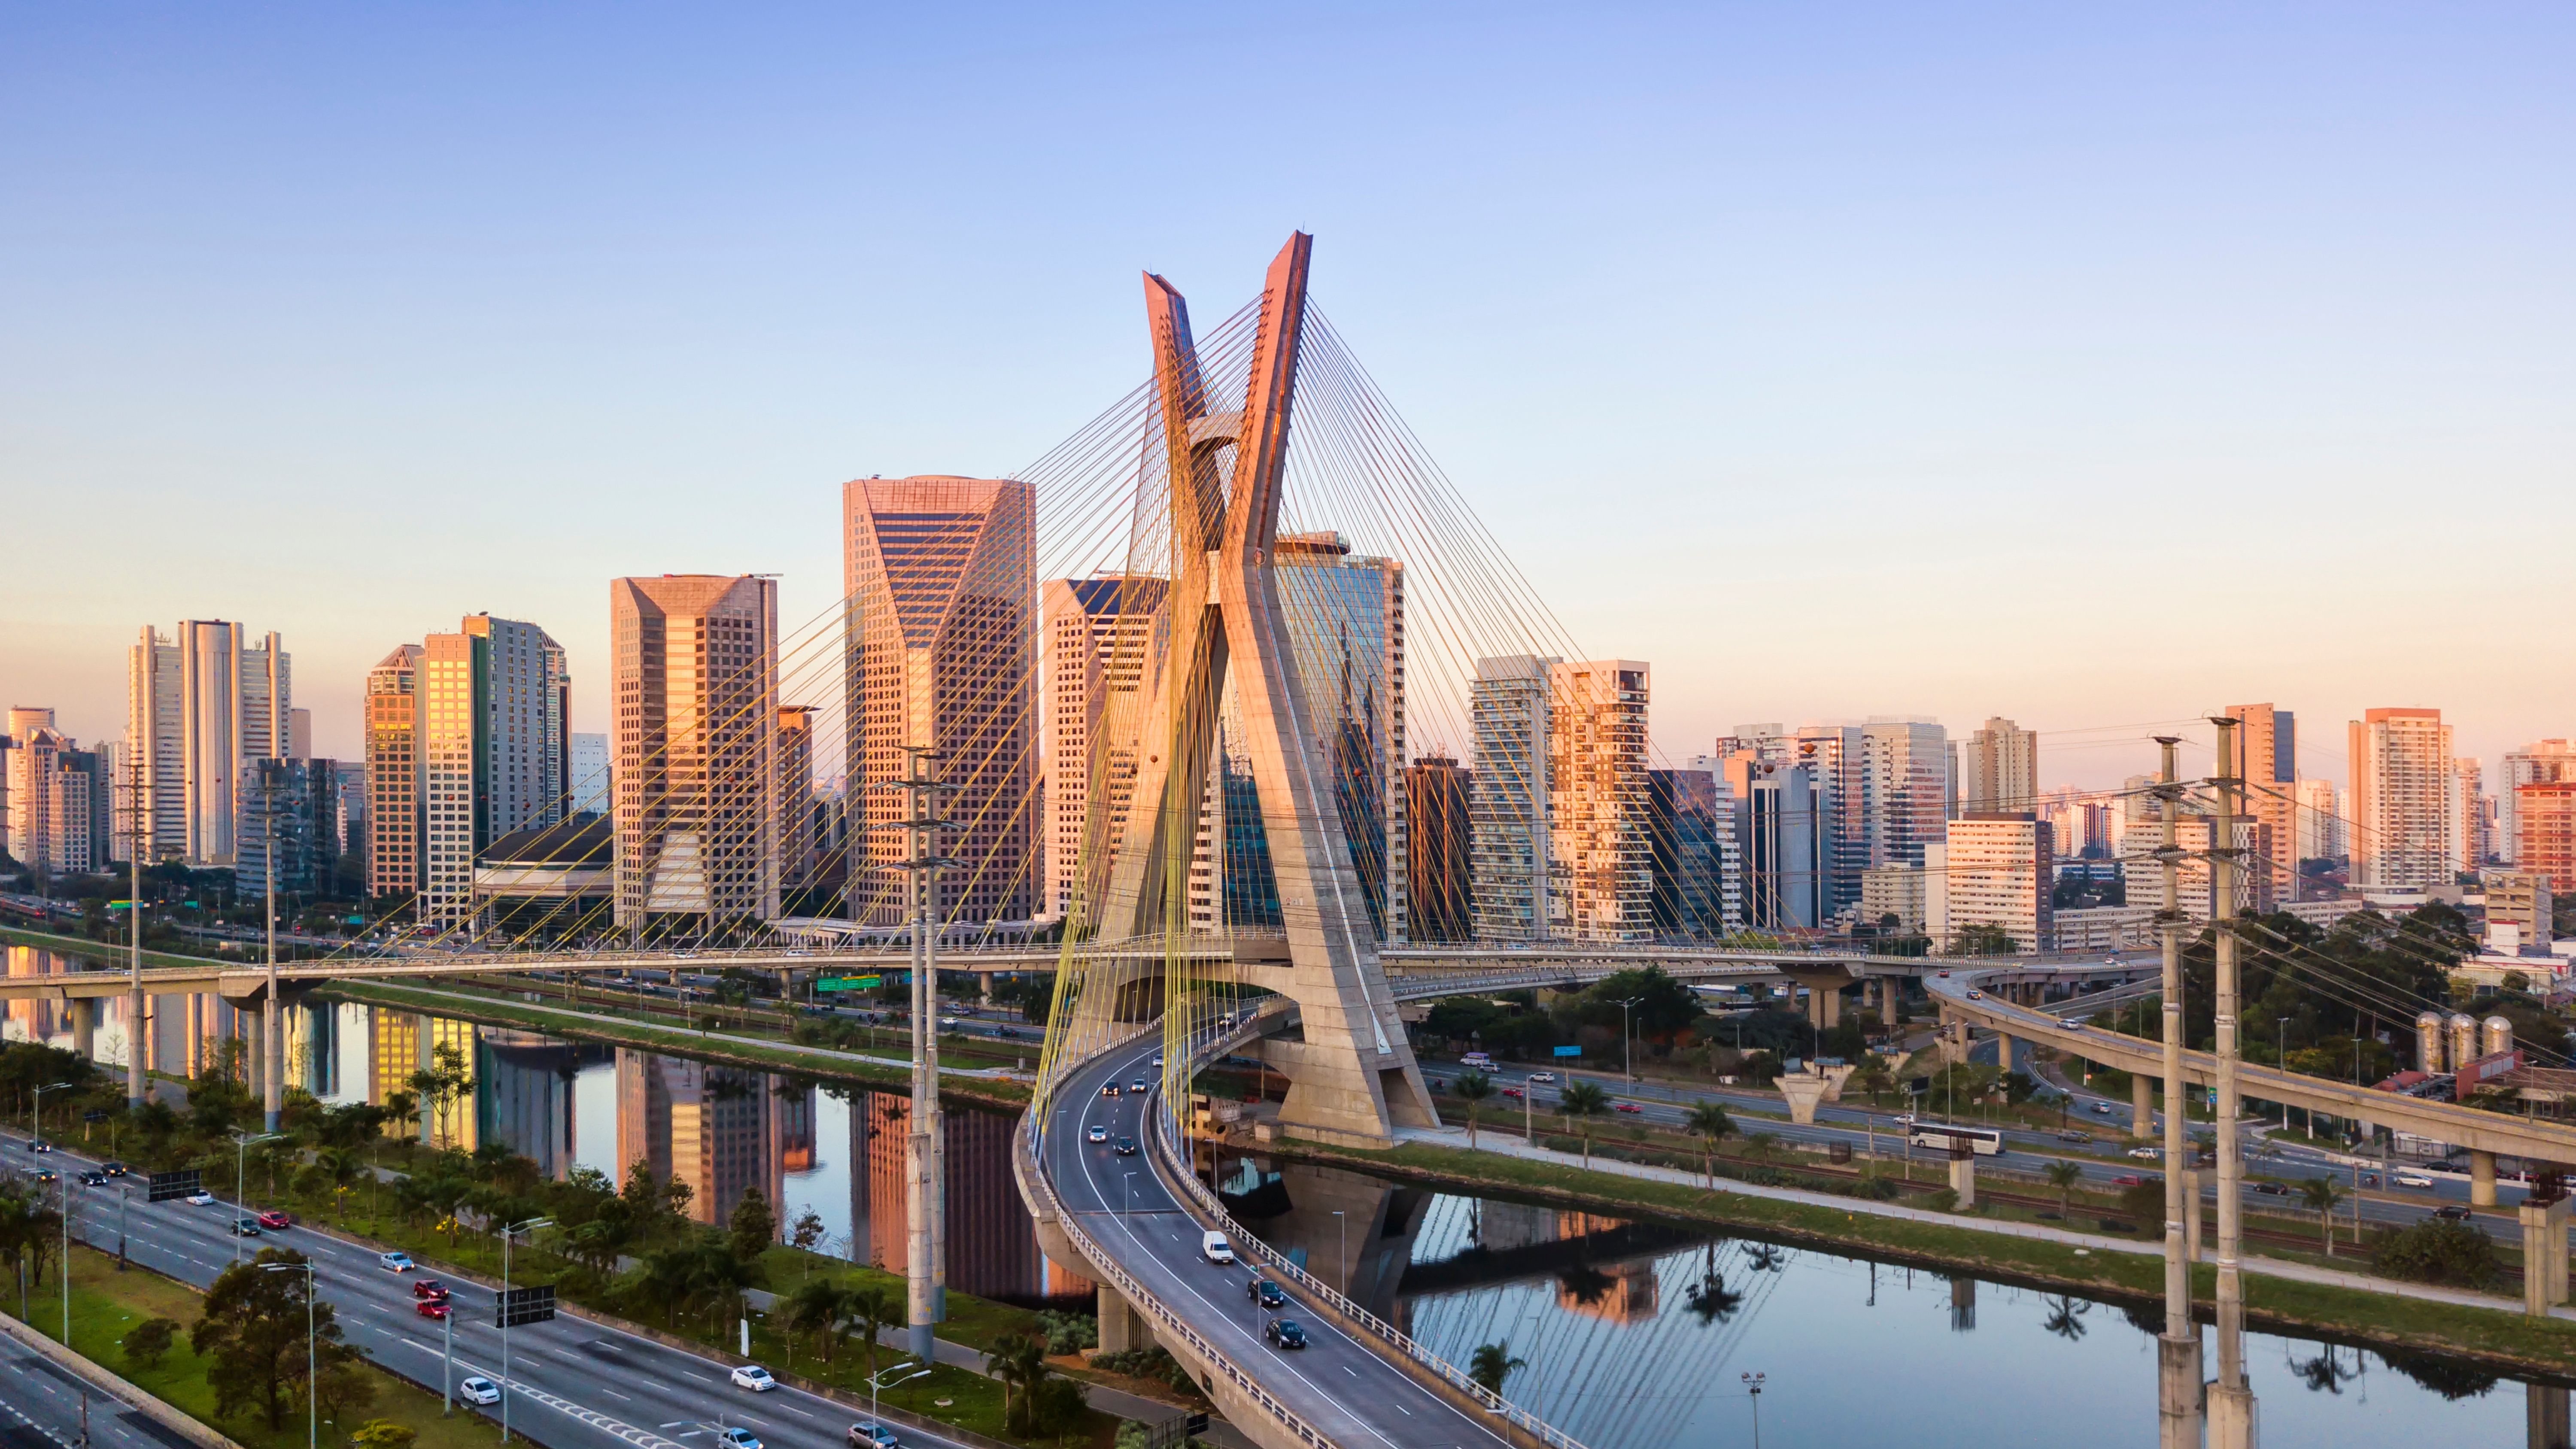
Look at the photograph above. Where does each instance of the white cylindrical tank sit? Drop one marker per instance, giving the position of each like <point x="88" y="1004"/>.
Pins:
<point x="2499" y="1034"/>
<point x="2464" y="1039"/>
<point x="2428" y="1041"/>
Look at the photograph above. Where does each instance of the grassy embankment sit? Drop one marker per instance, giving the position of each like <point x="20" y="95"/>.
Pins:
<point x="105" y="1303"/>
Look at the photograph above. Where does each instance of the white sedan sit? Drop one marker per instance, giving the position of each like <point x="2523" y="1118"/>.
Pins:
<point x="479" y="1390"/>
<point x="2146" y="1154"/>
<point x="2411" y="1179"/>
<point x="201" y="1198"/>
<point x="1542" y="1076"/>
<point x="753" y="1377"/>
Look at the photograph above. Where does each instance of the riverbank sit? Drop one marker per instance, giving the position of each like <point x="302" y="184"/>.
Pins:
<point x="106" y="953"/>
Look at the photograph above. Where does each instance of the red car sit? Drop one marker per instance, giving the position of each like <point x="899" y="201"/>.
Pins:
<point x="431" y="1308"/>
<point x="1626" y="1107"/>
<point x="1512" y="1092"/>
<point x="275" y="1219"/>
<point x="429" y="1288"/>
<point x="2127" y="1179"/>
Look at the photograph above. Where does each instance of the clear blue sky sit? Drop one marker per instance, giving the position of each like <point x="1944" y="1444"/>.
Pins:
<point x="2083" y="364"/>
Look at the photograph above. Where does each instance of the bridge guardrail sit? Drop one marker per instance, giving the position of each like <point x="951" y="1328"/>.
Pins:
<point x="1168" y="1155"/>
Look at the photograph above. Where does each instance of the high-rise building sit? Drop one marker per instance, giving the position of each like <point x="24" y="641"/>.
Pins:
<point x="1781" y="840"/>
<point x="1096" y="633"/>
<point x="712" y="1127"/>
<point x="2541" y="760"/>
<point x="940" y="573"/>
<point x="1510" y="853"/>
<point x="1893" y="800"/>
<point x="2469" y="813"/>
<point x="2314" y="820"/>
<point x="796" y="819"/>
<point x="2404" y="818"/>
<point x="2267" y="760"/>
<point x="1996" y="869"/>
<point x="696" y="772"/>
<point x="291" y="808"/>
<point x="590" y="774"/>
<point x="299" y="734"/>
<point x="1597" y="799"/>
<point x="1439" y="880"/>
<point x="493" y="752"/>
<point x="196" y="708"/>
<point x="393" y="726"/>
<point x="49" y="789"/>
<point x="2195" y="833"/>
<point x="2545" y="812"/>
<point x="1697" y="896"/>
<point x="1998" y="768"/>
<point x="1343" y="614"/>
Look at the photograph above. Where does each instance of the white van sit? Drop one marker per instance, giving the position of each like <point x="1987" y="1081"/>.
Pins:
<point x="1214" y="1248"/>
<point x="1477" y="1061"/>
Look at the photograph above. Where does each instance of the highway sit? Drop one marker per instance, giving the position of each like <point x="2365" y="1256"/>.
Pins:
<point x="41" y="1408"/>
<point x="573" y="1384"/>
<point x="1338" y="1384"/>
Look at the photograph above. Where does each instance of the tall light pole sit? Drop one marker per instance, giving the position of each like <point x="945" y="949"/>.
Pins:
<point x="925" y="1188"/>
<point x="2231" y="1401"/>
<point x="272" y="1025"/>
<point x="312" y="1383"/>
<point x="1627" y="1040"/>
<point x="507" y="1233"/>
<point x="66" y="1274"/>
<point x="241" y="1179"/>
<point x="135" y="1032"/>
<point x="2178" y="1384"/>
<point x="1753" y="1391"/>
<point x="2281" y="1059"/>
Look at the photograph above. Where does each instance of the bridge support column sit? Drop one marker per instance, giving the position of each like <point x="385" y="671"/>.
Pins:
<point x="2003" y="1053"/>
<point x="2178" y="1387"/>
<point x="1890" y="989"/>
<point x="1121" y="1327"/>
<point x="1803" y="1092"/>
<point x="2482" y="1191"/>
<point x="2544" y="1257"/>
<point x="2191" y="1215"/>
<point x="2231" y="1417"/>
<point x="2545" y="1417"/>
<point x="2142" y="1107"/>
<point x="1963" y="1180"/>
<point x="84" y="1025"/>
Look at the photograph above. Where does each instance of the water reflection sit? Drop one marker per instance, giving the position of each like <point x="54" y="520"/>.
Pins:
<point x="1636" y="1333"/>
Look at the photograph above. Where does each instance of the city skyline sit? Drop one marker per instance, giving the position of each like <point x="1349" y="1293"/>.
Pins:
<point x="1967" y="294"/>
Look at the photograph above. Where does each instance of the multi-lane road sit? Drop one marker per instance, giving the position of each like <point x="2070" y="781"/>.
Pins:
<point x="572" y="1384"/>
<point x="1338" y="1384"/>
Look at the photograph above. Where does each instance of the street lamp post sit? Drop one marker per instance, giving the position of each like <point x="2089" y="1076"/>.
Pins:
<point x="507" y="1233"/>
<point x="2281" y="1059"/>
<point x="36" y="1112"/>
<point x="874" y="1382"/>
<point x="312" y="1384"/>
<point x="1627" y="1041"/>
<point x="241" y="1179"/>
<point x="1753" y="1390"/>
<point x="124" y="1197"/>
<point x="66" y="1274"/>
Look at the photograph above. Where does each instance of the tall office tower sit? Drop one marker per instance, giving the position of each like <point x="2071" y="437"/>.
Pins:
<point x="1438" y="882"/>
<point x="1515" y="888"/>
<point x="2545" y="812"/>
<point x="1696" y="893"/>
<point x="1998" y="768"/>
<point x="299" y="734"/>
<point x="1831" y="755"/>
<point x="153" y="729"/>
<point x="1998" y="869"/>
<point x="1779" y="830"/>
<point x="708" y="1126"/>
<point x="49" y="794"/>
<point x="1344" y="617"/>
<point x="795" y="807"/>
<point x="1597" y="801"/>
<point x="589" y="774"/>
<point x="2195" y="832"/>
<point x="291" y="808"/>
<point x="1887" y="795"/>
<point x="493" y="750"/>
<point x="267" y="700"/>
<point x="196" y="708"/>
<point x="941" y="650"/>
<point x="394" y="817"/>
<point x="2267" y="760"/>
<point x="696" y="770"/>
<point x="2468" y="811"/>
<point x="2316" y="825"/>
<point x="210" y="744"/>
<point x="2403" y="821"/>
<point x="1096" y="631"/>
<point x="2541" y="760"/>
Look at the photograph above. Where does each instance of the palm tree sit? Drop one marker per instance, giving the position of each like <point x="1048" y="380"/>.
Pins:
<point x="1708" y="1122"/>
<point x="817" y="1308"/>
<point x="1473" y="1088"/>
<point x="872" y="1311"/>
<point x="2322" y="1195"/>
<point x="2063" y="1176"/>
<point x="1491" y="1364"/>
<point x="1711" y="1301"/>
<point x="1017" y="1362"/>
<point x="2066" y="1316"/>
<point x="1581" y="1102"/>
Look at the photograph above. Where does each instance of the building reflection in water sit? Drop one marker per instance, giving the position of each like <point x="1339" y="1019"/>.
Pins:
<point x="992" y="1244"/>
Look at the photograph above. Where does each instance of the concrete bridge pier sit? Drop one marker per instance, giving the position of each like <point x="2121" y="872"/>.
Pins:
<point x="1890" y="990"/>
<point x="2482" y="1170"/>
<point x="2142" y="1106"/>
<point x="2178" y="1391"/>
<point x="2191" y="1215"/>
<point x="1824" y="996"/>
<point x="2544" y="1257"/>
<point x="2545" y="1416"/>
<point x="84" y="1025"/>
<point x="1963" y="1179"/>
<point x="1121" y="1326"/>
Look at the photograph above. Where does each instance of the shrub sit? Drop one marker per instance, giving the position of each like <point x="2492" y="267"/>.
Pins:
<point x="2145" y="1203"/>
<point x="382" y="1434"/>
<point x="1069" y="1332"/>
<point x="146" y="1342"/>
<point x="1151" y="1364"/>
<point x="2459" y="1255"/>
<point x="1875" y="1188"/>
<point x="1944" y="1201"/>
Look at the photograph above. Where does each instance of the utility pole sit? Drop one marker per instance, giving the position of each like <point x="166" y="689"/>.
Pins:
<point x="137" y="1033"/>
<point x="925" y="1187"/>
<point x="2231" y="1402"/>
<point x="272" y="1024"/>
<point x="2178" y="1348"/>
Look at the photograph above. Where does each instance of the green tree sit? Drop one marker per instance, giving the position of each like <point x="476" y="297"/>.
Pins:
<point x="1492" y="1364"/>
<point x="1019" y="1363"/>
<point x="382" y="1434"/>
<point x="872" y="1311"/>
<point x="445" y="1082"/>
<point x="2434" y="1250"/>
<point x="1709" y="1123"/>
<point x="808" y="1233"/>
<point x="253" y="1334"/>
<point x="753" y="1226"/>
<point x="1582" y="1103"/>
<point x="2064" y="1175"/>
<point x="1474" y="1089"/>
<point x="146" y="1342"/>
<point x="2321" y="1195"/>
<point x="816" y="1309"/>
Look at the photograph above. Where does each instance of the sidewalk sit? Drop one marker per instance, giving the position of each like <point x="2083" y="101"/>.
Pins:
<point x="1455" y="1138"/>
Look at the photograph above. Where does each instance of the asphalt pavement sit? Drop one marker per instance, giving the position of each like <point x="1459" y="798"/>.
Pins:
<point x="572" y="1384"/>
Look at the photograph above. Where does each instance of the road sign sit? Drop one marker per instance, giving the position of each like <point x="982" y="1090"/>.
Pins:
<point x="1569" y="1051"/>
<point x="849" y="983"/>
<point x="525" y="1305"/>
<point x="167" y="1185"/>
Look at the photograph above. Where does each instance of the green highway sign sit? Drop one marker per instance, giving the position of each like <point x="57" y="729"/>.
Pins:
<point x="849" y="983"/>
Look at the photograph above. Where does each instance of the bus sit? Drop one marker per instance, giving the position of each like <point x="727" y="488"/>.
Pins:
<point x="1477" y="1062"/>
<point x="1983" y="1141"/>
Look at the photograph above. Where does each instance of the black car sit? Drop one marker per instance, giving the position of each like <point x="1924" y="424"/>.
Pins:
<point x="2452" y="1214"/>
<point x="93" y="1179"/>
<point x="39" y="1144"/>
<point x="1285" y="1333"/>
<point x="1126" y="1147"/>
<point x="1265" y="1293"/>
<point x="1109" y="1089"/>
<point x="245" y="1227"/>
<point x="112" y="1169"/>
<point x="2273" y="1189"/>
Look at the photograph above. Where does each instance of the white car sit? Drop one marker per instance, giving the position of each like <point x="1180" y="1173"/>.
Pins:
<point x="479" y="1390"/>
<point x="871" y="1436"/>
<point x="1904" y="1119"/>
<point x="1542" y="1076"/>
<point x="1214" y="1248"/>
<point x="738" y="1438"/>
<point x="755" y="1378"/>
<point x="1097" y="1133"/>
<point x="394" y="1262"/>
<point x="2146" y="1154"/>
<point x="201" y="1198"/>
<point x="2411" y="1179"/>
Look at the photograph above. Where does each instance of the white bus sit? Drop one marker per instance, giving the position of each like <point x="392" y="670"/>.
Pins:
<point x="1477" y="1062"/>
<point x="1983" y="1141"/>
